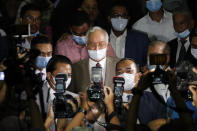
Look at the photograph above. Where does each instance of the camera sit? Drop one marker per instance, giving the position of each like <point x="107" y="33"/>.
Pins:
<point x="62" y="106"/>
<point x="118" y="91"/>
<point x="95" y="93"/>
<point x="185" y="76"/>
<point x="159" y="75"/>
<point x="19" y="32"/>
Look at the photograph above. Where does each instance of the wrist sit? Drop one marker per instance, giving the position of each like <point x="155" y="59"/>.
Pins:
<point x="110" y="109"/>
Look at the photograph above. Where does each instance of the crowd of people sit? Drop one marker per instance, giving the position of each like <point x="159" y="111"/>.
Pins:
<point x="98" y="65"/>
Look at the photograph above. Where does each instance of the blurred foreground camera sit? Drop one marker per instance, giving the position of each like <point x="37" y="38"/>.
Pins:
<point x="185" y="76"/>
<point x="95" y="93"/>
<point x="62" y="104"/>
<point x="159" y="75"/>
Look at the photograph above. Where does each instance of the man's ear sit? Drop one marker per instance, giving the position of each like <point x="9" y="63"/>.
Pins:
<point x="48" y="75"/>
<point x="192" y="24"/>
<point x="109" y="19"/>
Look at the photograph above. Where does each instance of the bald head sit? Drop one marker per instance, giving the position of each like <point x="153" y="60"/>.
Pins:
<point x="158" y="47"/>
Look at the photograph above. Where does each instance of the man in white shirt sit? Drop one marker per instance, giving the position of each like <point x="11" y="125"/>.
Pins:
<point x="180" y="46"/>
<point x="97" y="41"/>
<point x="157" y="23"/>
<point x="129" y="44"/>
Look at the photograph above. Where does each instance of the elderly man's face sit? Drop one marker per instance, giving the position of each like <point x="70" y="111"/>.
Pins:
<point x="181" y="22"/>
<point x="97" y="40"/>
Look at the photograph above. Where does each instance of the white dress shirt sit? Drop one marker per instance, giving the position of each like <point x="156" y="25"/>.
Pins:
<point x="44" y="73"/>
<point x="93" y="64"/>
<point x="162" y="30"/>
<point x="118" y="43"/>
<point x="179" y="47"/>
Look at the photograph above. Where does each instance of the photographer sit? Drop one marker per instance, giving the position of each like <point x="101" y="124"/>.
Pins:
<point x="150" y="107"/>
<point x="57" y="64"/>
<point x="89" y="114"/>
<point x="186" y="85"/>
<point x="144" y="83"/>
<point x="127" y="69"/>
<point x="30" y="14"/>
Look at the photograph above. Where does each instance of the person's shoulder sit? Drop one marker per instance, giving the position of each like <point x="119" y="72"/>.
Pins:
<point x="81" y="62"/>
<point x="113" y="59"/>
<point x="136" y="33"/>
<point x="68" y="41"/>
<point x="172" y="42"/>
<point x="141" y="21"/>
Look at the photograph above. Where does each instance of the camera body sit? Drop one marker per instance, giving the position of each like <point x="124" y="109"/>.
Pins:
<point x="95" y="93"/>
<point x="118" y="91"/>
<point x="159" y="75"/>
<point x="185" y="76"/>
<point x="61" y="107"/>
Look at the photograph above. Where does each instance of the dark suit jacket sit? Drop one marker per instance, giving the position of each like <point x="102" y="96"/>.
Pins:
<point x="173" y="44"/>
<point x="81" y="76"/>
<point x="150" y="108"/>
<point x="136" y="46"/>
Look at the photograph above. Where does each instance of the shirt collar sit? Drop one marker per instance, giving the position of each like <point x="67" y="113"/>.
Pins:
<point x="121" y="36"/>
<point x="163" y="18"/>
<point x="38" y="71"/>
<point x="102" y="62"/>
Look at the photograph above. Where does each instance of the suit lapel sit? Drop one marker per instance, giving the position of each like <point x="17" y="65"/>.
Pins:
<point x="108" y="71"/>
<point x="86" y="69"/>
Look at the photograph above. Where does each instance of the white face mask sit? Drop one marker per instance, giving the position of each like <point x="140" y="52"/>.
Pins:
<point x="119" y="23"/>
<point x="126" y="97"/>
<point x="194" y="52"/>
<point x="162" y="90"/>
<point x="129" y="81"/>
<point x="97" y="54"/>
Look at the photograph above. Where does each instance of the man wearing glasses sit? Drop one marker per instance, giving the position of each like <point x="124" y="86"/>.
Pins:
<point x="126" y="44"/>
<point x="30" y="14"/>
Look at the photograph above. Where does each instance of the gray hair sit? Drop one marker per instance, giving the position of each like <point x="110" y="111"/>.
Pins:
<point x="159" y="43"/>
<point x="93" y="29"/>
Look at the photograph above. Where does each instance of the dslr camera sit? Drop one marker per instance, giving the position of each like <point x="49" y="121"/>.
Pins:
<point x="118" y="91"/>
<point x="95" y="93"/>
<point x="19" y="32"/>
<point x="61" y="104"/>
<point x="159" y="75"/>
<point x="185" y="76"/>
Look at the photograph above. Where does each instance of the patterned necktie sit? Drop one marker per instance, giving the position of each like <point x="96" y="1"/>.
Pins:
<point x="98" y="65"/>
<point x="182" y="52"/>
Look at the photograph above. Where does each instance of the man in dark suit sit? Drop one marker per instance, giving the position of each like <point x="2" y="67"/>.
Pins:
<point x="126" y="43"/>
<point x="97" y="41"/>
<point x="180" y="47"/>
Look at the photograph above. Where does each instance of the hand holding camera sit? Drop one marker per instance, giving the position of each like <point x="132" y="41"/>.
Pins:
<point x="109" y="98"/>
<point x="193" y="89"/>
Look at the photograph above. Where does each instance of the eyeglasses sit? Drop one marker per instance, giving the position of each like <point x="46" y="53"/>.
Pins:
<point x="119" y="15"/>
<point x="32" y="19"/>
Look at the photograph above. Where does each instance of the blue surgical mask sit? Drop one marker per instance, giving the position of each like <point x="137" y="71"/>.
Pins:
<point x="183" y="34"/>
<point x="42" y="62"/>
<point x="119" y="23"/>
<point x="153" y="5"/>
<point x="35" y="34"/>
<point x="81" y="40"/>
